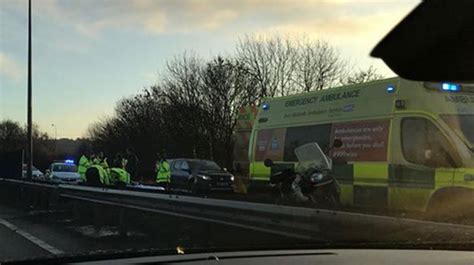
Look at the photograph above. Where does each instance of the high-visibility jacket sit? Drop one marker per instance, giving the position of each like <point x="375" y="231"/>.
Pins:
<point x="119" y="175"/>
<point x="84" y="163"/>
<point x="163" y="172"/>
<point x="124" y="163"/>
<point x="104" y="177"/>
<point x="101" y="162"/>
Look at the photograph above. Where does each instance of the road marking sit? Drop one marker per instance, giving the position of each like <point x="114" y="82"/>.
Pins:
<point x="31" y="238"/>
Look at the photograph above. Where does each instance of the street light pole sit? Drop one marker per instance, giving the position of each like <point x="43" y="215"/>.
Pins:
<point x="55" y="137"/>
<point x="30" y="116"/>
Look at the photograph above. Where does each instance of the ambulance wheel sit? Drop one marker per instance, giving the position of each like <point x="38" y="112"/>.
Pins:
<point x="452" y="206"/>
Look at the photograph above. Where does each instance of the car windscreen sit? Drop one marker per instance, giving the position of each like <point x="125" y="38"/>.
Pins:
<point x="463" y="125"/>
<point x="65" y="168"/>
<point x="204" y="165"/>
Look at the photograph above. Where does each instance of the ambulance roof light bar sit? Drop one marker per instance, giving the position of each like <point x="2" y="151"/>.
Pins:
<point x="445" y="86"/>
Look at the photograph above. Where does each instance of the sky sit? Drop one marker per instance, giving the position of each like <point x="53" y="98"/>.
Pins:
<point x="88" y="54"/>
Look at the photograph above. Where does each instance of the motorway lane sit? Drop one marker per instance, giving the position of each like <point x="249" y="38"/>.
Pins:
<point x="14" y="246"/>
<point x="28" y="234"/>
<point x="16" y="242"/>
<point x="64" y="233"/>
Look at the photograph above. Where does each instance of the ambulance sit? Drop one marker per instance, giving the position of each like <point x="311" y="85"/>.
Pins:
<point x="406" y="145"/>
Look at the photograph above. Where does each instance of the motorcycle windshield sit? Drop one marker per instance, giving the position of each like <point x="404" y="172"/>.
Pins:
<point x="311" y="155"/>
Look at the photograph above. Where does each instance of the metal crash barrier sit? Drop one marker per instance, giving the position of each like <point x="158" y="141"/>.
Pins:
<point x="288" y="221"/>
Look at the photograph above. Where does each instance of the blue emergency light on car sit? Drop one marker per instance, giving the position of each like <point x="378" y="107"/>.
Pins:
<point x="451" y="87"/>
<point x="265" y="106"/>
<point x="69" y="161"/>
<point x="390" y="89"/>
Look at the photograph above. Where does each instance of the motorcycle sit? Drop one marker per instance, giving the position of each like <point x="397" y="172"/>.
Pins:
<point x="311" y="182"/>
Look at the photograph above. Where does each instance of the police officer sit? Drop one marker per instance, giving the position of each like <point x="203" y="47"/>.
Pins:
<point x="97" y="175"/>
<point x="163" y="171"/>
<point x="101" y="160"/>
<point x="119" y="177"/>
<point x="117" y="161"/>
<point x="131" y="163"/>
<point x="124" y="163"/>
<point x="84" y="163"/>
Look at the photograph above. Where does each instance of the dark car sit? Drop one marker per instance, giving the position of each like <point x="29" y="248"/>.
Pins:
<point x="199" y="176"/>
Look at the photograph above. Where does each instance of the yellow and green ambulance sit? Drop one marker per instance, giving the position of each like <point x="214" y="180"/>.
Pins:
<point x="406" y="145"/>
<point x="241" y="137"/>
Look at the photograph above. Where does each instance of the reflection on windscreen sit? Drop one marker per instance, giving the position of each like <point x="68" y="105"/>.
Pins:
<point x="64" y="168"/>
<point x="462" y="124"/>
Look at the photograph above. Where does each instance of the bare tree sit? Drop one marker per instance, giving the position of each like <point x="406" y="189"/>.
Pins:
<point x="13" y="138"/>
<point x="284" y="65"/>
<point x="182" y="87"/>
<point x="319" y="66"/>
<point x="182" y="80"/>
<point x="362" y="76"/>
<point x="270" y="61"/>
<point x="12" y="135"/>
<point x="227" y="88"/>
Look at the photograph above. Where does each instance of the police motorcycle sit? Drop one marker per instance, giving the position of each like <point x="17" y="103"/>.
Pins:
<point x="312" y="182"/>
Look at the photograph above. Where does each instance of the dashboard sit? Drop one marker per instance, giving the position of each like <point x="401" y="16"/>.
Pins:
<point x="303" y="257"/>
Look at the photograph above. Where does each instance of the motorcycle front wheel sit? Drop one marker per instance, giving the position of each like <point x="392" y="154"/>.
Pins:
<point x="327" y="196"/>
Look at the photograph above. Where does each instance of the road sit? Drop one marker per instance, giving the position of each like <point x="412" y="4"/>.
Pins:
<point x="29" y="234"/>
<point x="14" y="246"/>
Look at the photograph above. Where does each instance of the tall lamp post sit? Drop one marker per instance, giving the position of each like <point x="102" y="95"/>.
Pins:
<point x="55" y="137"/>
<point x="29" y="150"/>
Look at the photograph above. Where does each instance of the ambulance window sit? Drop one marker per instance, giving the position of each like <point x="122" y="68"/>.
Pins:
<point x="462" y="124"/>
<point x="297" y="136"/>
<point x="424" y="144"/>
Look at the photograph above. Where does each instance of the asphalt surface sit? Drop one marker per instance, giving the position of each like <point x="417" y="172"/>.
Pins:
<point x="14" y="246"/>
<point x="27" y="234"/>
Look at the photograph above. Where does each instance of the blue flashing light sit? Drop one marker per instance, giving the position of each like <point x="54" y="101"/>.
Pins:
<point x="265" y="106"/>
<point x="390" y="89"/>
<point x="454" y="87"/>
<point x="69" y="161"/>
<point x="451" y="87"/>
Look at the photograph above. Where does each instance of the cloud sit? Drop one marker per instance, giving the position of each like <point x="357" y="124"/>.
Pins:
<point x="352" y="27"/>
<point x="155" y="17"/>
<point x="10" y="68"/>
<point x="92" y="18"/>
<point x="344" y="27"/>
